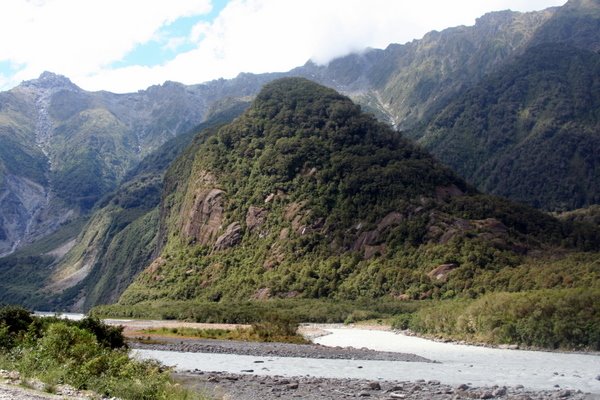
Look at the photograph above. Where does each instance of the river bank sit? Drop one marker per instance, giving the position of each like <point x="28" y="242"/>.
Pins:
<point x="437" y="370"/>
<point x="257" y="387"/>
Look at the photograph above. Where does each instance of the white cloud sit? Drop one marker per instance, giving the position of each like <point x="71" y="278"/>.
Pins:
<point x="248" y="35"/>
<point x="80" y="37"/>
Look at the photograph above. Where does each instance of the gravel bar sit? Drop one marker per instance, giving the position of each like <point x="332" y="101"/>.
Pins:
<point x="273" y="350"/>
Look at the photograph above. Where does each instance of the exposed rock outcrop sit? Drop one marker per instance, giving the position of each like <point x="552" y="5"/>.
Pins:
<point x="206" y="216"/>
<point x="231" y="237"/>
<point x="255" y="217"/>
<point x="369" y="242"/>
<point x="440" y="273"/>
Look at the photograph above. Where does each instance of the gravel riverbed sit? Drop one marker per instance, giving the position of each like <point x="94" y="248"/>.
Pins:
<point x="273" y="350"/>
<point x="252" y="387"/>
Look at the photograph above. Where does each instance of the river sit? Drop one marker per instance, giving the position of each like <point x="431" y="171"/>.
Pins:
<point x="456" y="364"/>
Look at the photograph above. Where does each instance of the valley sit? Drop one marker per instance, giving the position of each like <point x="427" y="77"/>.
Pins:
<point x="448" y="185"/>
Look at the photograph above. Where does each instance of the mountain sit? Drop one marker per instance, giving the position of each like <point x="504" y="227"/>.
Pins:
<point x="306" y="196"/>
<point x="81" y="173"/>
<point x="406" y="83"/>
<point x="92" y="261"/>
<point x="528" y="131"/>
<point x="62" y="148"/>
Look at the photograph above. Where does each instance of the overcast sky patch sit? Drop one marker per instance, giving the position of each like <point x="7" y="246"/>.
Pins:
<point x="124" y="46"/>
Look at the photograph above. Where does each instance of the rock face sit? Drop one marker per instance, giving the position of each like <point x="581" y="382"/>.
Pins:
<point x="255" y="218"/>
<point x="206" y="217"/>
<point x="369" y="242"/>
<point x="440" y="273"/>
<point x="231" y="237"/>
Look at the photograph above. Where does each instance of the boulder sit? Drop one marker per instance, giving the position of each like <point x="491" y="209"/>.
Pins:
<point x="440" y="273"/>
<point x="231" y="237"/>
<point x="255" y="217"/>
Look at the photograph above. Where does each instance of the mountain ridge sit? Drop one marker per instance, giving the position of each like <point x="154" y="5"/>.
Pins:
<point x="406" y="85"/>
<point x="243" y="221"/>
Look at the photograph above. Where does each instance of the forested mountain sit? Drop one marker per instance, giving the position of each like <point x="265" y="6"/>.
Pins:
<point x="510" y="103"/>
<point x="530" y="131"/>
<point x="307" y="196"/>
<point x="90" y="262"/>
<point x="62" y="148"/>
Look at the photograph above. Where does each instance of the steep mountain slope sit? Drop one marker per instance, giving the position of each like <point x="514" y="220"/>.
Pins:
<point x="406" y="83"/>
<point x="306" y="196"/>
<point x="530" y="131"/>
<point x="576" y="24"/>
<point x="62" y="148"/>
<point x="92" y="263"/>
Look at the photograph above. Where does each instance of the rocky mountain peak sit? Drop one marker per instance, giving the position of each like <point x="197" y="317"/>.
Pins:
<point x="50" y="80"/>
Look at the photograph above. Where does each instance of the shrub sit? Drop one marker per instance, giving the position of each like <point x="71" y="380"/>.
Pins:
<point x="567" y="318"/>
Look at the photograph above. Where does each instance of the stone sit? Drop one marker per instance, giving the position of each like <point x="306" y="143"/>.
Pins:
<point x="486" y="395"/>
<point x="440" y="273"/>
<point x="374" y="386"/>
<point x="231" y="237"/>
<point x="205" y="216"/>
<point x="292" y="386"/>
<point x="499" y="392"/>
<point x="255" y="217"/>
<point x="364" y="394"/>
<point x="397" y="395"/>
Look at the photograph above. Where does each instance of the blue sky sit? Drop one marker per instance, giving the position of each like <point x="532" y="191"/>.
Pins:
<point x="128" y="45"/>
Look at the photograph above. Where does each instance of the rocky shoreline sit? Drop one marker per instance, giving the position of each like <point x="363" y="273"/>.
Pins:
<point x="254" y="387"/>
<point x="271" y="349"/>
<point x="250" y="386"/>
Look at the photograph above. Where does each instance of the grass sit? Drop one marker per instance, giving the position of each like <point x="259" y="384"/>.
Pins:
<point x="275" y="330"/>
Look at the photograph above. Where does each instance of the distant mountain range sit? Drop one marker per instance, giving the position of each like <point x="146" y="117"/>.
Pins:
<point x="511" y="104"/>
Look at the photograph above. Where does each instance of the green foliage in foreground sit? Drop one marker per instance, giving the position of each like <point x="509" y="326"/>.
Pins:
<point x="85" y="354"/>
<point x="555" y="319"/>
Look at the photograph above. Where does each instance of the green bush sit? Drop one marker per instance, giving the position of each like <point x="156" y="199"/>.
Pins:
<point x="277" y="327"/>
<point x="86" y="354"/>
<point x="567" y="318"/>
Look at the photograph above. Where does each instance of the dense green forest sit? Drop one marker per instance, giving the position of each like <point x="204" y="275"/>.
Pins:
<point x="529" y="131"/>
<point x="305" y="196"/>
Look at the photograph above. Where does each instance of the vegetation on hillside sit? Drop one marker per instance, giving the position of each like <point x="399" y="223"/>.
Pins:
<point x="118" y="240"/>
<point x="528" y="131"/>
<point x="554" y="319"/>
<point x="347" y="209"/>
